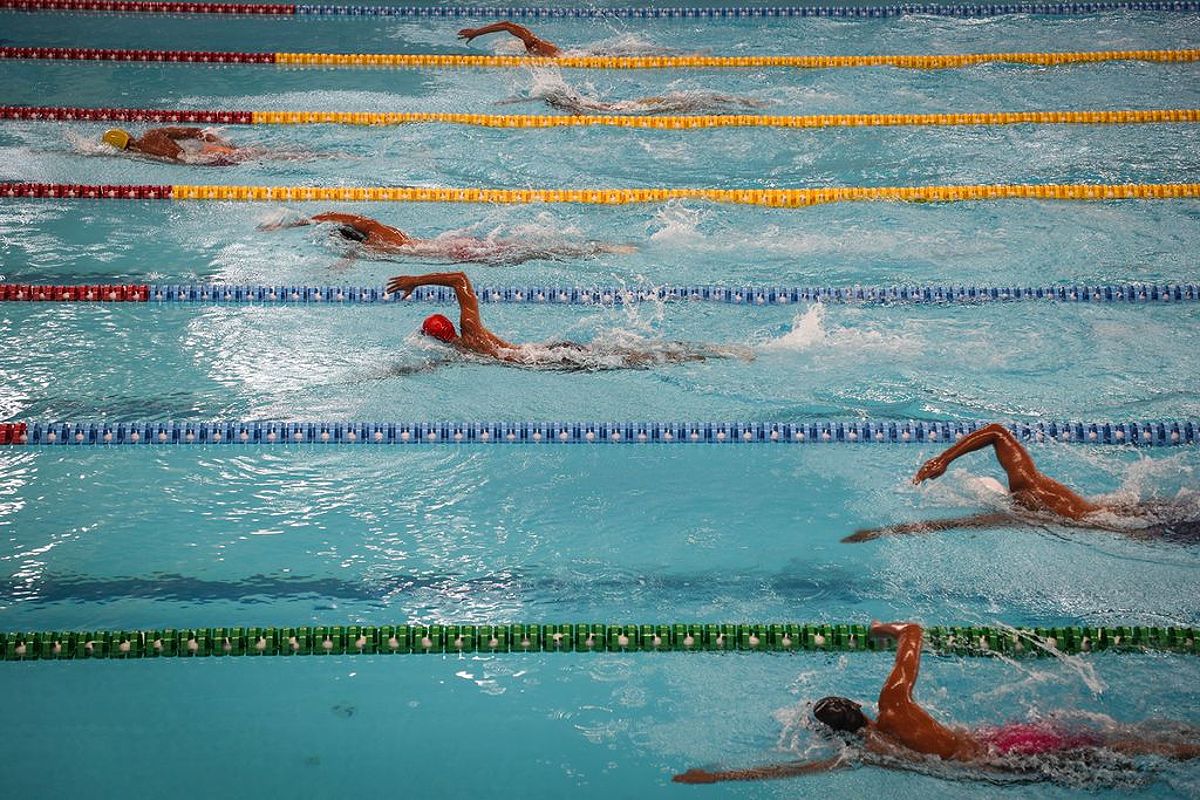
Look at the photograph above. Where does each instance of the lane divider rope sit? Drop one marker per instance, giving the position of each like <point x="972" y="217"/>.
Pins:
<point x="631" y="12"/>
<point x="579" y="638"/>
<point x="679" y="122"/>
<point x="1140" y="293"/>
<point x="789" y="198"/>
<point x="1163" y="433"/>
<point x="928" y="61"/>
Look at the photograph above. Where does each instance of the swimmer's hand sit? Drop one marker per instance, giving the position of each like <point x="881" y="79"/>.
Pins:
<point x="866" y="535"/>
<point x="696" y="776"/>
<point x="467" y="34"/>
<point x="933" y="468"/>
<point x="403" y="284"/>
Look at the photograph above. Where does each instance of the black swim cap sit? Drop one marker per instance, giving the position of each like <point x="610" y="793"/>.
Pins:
<point x="840" y="713"/>
<point x="350" y="232"/>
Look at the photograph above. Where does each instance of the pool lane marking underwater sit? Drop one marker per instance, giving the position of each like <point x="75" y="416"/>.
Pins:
<point x="442" y="60"/>
<point x="1131" y="293"/>
<point x="675" y="122"/>
<point x="1161" y="433"/>
<point x="789" y="198"/>
<point x="629" y="12"/>
<point x="581" y="638"/>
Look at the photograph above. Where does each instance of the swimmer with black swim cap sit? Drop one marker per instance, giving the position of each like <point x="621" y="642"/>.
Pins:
<point x="1038" y="493"/>
<point x="164" y="143"/>
<point x="903" y="731"/>
<point x="385" y="241"/>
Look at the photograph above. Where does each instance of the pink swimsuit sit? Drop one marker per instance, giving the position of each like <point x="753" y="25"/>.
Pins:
<point x="1035" y="738"/>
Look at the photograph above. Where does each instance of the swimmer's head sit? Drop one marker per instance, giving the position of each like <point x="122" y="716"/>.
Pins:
<point x="350" y="232"/>
<point x="439" y="327"/>
<point x="840" y="713"/>
<point x="117" y="137"/>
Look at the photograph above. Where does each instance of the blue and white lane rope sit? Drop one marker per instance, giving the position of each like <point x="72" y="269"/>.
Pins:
<point x="735" y="295"/>
<point x="745" y="12"/>
<point x="1151" y="434"/>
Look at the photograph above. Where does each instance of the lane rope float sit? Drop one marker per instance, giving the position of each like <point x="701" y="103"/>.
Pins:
<point x="579" y="638"/>
<point x="219" y="293"/>
<point x="787" y="198"/>
<point x="443" y="60"/>
<point x="1162" y="433"/>
<point x="629" y="12"/>
<point x="678" y="122"/>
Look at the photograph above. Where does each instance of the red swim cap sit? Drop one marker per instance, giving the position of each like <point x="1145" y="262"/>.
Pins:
<point x="439" y="327"/>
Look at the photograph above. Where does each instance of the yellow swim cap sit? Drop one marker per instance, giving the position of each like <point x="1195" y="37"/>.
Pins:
<point x="117" y="137"/>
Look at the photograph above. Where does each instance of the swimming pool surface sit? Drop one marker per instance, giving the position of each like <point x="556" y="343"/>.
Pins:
<point x="128" y="538"/>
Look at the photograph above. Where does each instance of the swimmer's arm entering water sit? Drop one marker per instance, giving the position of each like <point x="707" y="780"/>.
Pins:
<point x="533" y="45"/>
<point x="376" y="232"/>
<point x="472" y="334"/>
<point x="1029" y="487"/>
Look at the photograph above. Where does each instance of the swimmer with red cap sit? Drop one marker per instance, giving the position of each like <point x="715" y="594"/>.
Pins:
<point x="473" y="337"/>
<point x="903" y="731"/>
<point x="164" y="143"/>
<point x="383" y="241"/>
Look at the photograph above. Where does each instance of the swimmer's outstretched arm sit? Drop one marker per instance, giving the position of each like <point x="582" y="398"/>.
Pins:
<point x="989" y="520"/>
<point x="768" y="772"/>
<point x="534" y="45"/>
<point x="368" y="226"/>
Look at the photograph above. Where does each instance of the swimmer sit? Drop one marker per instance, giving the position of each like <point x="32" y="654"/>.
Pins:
<point x="1037" y="493"/>
<point x="565" y="98"/>
<point x="905" y="732"/>
<point x="200" y="146"/>
<point x="533" y="45"/>
<point x="473" y="337"/>
<point x="382" y="240"/>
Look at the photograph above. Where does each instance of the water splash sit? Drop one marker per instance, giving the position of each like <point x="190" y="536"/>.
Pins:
<point x="676" y="223"/>
<point x="551" y="88"/>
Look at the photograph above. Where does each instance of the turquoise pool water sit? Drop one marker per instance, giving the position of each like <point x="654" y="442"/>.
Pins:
<point x="204" y="536"/>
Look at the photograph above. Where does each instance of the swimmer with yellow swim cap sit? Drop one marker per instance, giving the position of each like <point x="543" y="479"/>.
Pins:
<point x="164" y="143"/>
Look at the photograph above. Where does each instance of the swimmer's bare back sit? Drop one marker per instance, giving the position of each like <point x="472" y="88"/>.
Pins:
<point x="164" y="142"/>
<point x="533" y="45"/>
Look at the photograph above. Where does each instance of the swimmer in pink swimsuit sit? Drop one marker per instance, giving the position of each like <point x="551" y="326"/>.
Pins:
<point x="903" y="731"/>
